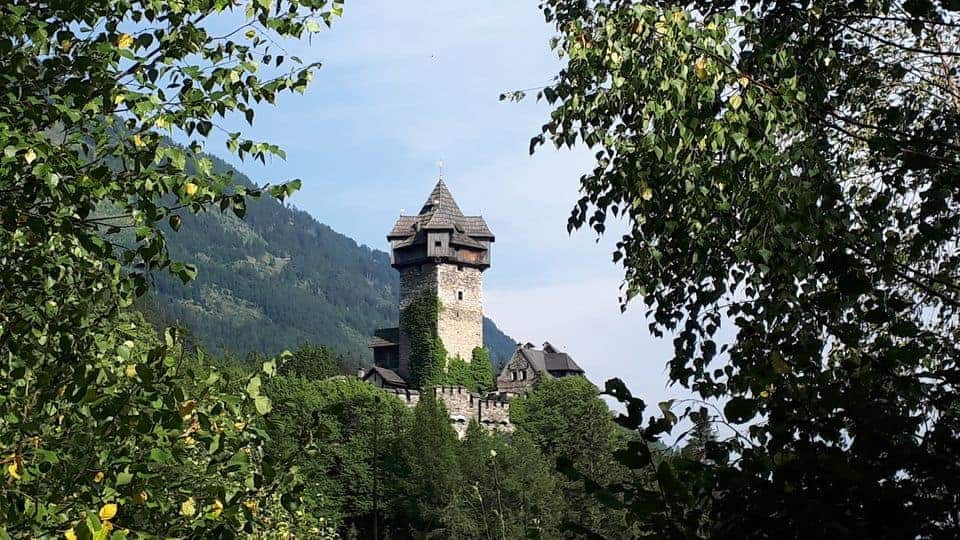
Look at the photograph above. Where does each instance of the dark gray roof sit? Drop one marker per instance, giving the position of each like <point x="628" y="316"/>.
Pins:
<point x="388" y="375"/>
<point x="440" y="212"/>
<point x="464" y="240"/>
<point x="385" y="337"/>
<point x="548" y="360"/>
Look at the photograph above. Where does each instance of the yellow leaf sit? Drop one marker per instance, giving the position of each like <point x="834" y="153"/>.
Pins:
<point x="647" y="194"/>
<point x="66" y="45"/>
<point x="98" y="477"/>
<point x="130" y="371"/>
<point x="137" y="141"/>
<point x="743" y="81"/>
<point x="118" y="99"/>
<point x="217" y="508"/>
<point x="700" y="68"/>
<point x="239" y="426"/>
<point x="124" y="41"/>
<point x="140" y="497"/>
<point x="736" y="101"/>
<point x="188" y="507"/>
<point x="30" y="156"/>
<point x="13" y="470"/>
<point x="69" y="534"/>
<point x="186" y="408"/>
<point x="191" y="190"/>
<point x="764" y="394"/>
<point x="108" y="511"/>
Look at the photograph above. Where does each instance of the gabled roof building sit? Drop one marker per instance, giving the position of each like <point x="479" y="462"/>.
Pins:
<point x="529" y="365"/>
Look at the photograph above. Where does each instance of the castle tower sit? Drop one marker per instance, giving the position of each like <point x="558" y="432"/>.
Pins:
<point x="443" y="252"/>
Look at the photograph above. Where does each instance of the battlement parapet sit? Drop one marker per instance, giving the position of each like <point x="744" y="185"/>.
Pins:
<point x="406" y="395"/>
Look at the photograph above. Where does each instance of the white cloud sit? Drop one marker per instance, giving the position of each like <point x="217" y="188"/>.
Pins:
<point x="583" y="318"/>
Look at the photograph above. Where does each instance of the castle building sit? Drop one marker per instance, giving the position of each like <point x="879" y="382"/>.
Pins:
<point x="443" y="252"/>
<point x="529" y="366"/>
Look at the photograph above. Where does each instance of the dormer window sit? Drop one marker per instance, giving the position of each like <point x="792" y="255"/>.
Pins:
<point x="523" y="375"/>
<point x="513" y="375"/>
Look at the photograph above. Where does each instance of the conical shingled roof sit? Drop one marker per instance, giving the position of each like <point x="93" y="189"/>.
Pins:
<point x="441" y="199"/>
<point x="441" y="212"/>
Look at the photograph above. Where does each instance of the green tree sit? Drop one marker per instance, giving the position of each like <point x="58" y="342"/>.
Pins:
<point x="482" y="370"/>
<point x="92" y="420"/>
<point x="566" y="419"/>
<point x="315" y="362"/>
<point x="788" y="170"/>
<point x="508" y="490"/>
<point x="476" y="375"/>
<point x="429" y="468"/>
<point x="338" y="433"/>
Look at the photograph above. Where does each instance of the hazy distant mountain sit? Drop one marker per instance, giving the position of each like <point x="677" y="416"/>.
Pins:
<point x="280" y="278"/>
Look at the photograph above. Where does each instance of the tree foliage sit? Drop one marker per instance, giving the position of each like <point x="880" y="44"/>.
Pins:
<point x="339" y="433"/>
<point x="101" y="428"/>
<point x="509" y="490"/>
<point x="788" y="170"/>
<point x="476" y="375"/>
<point x="314" y="362"/>
<point x="428" y="356"/>
<point x="575" y="430"/>
<point x="429" y="468"/>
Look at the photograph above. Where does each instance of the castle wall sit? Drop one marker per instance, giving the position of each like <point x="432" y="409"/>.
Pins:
<point x="413" y="280"/>
<point x="461" y="405"/>
<point x="460" y="323"/>
<point x="410" y="398"/>
<point x="494" y="414"/>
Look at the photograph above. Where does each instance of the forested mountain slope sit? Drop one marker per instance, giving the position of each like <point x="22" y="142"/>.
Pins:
<point x="278" y="279"/>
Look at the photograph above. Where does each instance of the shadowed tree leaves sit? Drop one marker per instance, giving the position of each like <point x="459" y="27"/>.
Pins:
<point x="788" y="171"/>
<point x="95" y="409"/>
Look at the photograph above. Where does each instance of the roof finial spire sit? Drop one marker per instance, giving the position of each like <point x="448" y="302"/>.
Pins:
<point x="440" y="166"/>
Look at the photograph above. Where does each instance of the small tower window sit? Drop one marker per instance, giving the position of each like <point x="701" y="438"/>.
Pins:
<point x="513" y="375"/>
<point x="523" y="375"/>
<point x="459" y="295"/>
<point x="459" y="268"/>
<point x="437" y="243"/>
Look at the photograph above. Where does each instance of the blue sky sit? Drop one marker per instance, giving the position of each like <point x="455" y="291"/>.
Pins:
<point x="405" y="84"/>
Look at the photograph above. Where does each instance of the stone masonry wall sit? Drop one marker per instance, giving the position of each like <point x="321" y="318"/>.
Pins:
<point x="495" y="413"/>
<point x="460" y="324"/>
<point x="463" y="406"/>
<point x="413" y="280"/>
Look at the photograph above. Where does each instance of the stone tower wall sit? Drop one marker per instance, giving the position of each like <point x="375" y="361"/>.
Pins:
<point x="413" y="280"/>
<point x="460" y="323"/>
